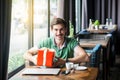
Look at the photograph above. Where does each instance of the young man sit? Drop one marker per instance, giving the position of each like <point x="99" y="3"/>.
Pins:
<point x="67" y="49"/>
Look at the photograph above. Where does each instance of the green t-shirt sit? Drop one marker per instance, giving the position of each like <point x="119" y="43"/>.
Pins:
<point x="67" y="50"/>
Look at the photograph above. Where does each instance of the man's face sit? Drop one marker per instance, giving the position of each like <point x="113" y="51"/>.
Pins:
<point x="59" y="31"/>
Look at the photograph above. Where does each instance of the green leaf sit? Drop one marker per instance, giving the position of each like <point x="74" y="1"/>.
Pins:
<point x="97" y="22"/>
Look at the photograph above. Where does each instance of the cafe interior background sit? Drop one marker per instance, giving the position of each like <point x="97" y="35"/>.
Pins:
<point x="78" y="12"/>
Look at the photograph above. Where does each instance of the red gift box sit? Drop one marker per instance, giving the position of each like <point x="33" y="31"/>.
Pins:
<point x="45" y="57"/>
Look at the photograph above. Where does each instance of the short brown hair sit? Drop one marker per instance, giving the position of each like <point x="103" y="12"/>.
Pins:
<point x="56" y="21"/>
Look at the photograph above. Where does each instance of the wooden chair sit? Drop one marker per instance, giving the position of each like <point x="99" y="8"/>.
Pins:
<point x="94" y="54"/>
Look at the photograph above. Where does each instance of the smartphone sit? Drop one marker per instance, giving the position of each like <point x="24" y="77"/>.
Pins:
<point x="65" y="72"/>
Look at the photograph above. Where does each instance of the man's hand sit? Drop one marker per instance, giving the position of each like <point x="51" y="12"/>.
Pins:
<point x="59" y="62"/>
<point x="34" y="59"/>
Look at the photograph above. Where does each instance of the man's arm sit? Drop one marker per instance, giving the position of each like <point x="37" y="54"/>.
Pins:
<point x="80" y="55"/>
<point x="31" y="55"/>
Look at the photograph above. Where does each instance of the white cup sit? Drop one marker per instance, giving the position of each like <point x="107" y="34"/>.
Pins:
<point x="75" y="66"/>
<point x="69" y="65"/>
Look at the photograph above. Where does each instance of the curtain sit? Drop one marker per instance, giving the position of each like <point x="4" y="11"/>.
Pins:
<point x="66" y="10"/>
<point x="117" y="20"/>
<point x="66" y="14"/>
<point x="5" y="18"/>
<point x="60" y="8"/>
<point x="84" y="14"/>
<point x="100" y="10"/>
<point x="78" y="13"/>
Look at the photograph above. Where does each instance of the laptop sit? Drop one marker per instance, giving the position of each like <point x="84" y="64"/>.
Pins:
<point x="53" y="71"/>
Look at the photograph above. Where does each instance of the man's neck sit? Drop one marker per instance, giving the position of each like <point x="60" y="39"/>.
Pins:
<point x="59" y="43"/>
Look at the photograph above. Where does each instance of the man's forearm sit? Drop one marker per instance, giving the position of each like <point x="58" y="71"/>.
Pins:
<point x="30" y="57"/>
<point x="79" y="59"/>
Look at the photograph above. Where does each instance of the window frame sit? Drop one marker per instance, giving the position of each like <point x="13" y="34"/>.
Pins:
<point x="31" y="32"/>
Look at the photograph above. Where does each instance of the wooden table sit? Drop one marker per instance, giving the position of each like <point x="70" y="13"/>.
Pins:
<point x="93" y="42"/>
<point x="89" y="74"/>
<point x="103" y="31"/>
<point x="105" y="46"/>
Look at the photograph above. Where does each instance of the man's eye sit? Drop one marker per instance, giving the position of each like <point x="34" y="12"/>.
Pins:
<point x="56" y="30"/>
<point x="62" y="29"/>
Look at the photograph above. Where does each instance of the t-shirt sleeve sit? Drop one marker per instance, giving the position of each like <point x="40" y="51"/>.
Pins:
<point x="74" y="43"/>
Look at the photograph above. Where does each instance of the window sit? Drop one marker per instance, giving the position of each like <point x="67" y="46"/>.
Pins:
<point x="29" y="24"/>
<point x="19" y="34"/>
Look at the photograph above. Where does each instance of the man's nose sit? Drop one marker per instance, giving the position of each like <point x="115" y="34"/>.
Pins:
<point x="58" y="32"/>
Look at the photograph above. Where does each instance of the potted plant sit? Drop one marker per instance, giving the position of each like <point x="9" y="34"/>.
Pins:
<point x="96" y="24"/>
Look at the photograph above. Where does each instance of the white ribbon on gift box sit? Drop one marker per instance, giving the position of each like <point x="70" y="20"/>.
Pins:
<point x="44" y="57"/>
<point x="45" y="54"/>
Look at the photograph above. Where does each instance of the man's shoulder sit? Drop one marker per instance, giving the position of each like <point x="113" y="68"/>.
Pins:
<point x="71" y="42"/>
<point x="70" y="39"/>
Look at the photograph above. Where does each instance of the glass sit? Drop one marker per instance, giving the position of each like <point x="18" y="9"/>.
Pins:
<point x="69" y="65"/>
<point x="19" y="34"/>
<point x="107" y="22"/>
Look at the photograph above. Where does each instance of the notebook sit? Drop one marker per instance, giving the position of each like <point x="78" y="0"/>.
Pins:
<point x="53" y="71"/>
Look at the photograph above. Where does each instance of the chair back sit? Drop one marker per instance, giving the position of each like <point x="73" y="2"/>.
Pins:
<point x="94" y="55"/>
